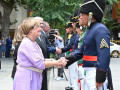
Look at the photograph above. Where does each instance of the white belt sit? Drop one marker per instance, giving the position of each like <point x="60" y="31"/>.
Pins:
<point x="31" y="68"/>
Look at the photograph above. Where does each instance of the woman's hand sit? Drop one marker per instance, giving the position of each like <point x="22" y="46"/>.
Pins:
<point x="62" y="62"/>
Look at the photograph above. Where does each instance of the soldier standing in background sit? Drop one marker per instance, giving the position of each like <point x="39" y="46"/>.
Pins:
<point x="73" y="69"/>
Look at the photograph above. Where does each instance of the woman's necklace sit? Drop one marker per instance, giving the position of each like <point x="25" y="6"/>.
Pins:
<point x="30" y="38"/>
<point x="37" y="46"/>
<point x="39" y="49"/>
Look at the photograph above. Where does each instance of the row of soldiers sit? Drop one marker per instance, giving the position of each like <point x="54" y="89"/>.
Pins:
<point x="89" y="44"/>
<point x="74" y="41"/>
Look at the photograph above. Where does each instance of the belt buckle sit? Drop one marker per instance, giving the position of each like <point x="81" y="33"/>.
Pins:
<point x="40" y="71"/>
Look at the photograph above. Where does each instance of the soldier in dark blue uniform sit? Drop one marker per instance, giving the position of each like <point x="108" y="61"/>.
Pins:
<point x="73" y="69"/>
<point x="95" y="49"/>
<point x="70" y="45"/>
<point x="69" y="29"/>
<point x="81" y="30"/>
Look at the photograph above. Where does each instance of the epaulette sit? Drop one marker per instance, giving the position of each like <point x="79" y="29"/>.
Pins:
<point x="69" y="36"/>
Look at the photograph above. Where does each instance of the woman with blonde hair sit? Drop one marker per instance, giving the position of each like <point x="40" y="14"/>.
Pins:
<point x="30" y="59"/>
<point x="18" y="36"/>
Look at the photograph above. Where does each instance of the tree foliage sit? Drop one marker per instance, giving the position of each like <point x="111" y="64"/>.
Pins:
<point x="107" y="19"/>
<point x="56" y="12"/>
<point x="112" y="1"/>
<point x="111" y="24"/>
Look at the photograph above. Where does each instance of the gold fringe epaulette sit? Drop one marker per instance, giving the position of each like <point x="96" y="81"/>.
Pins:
<point x="69" y="36"/>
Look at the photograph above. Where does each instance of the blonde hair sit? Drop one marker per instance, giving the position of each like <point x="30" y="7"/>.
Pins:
<point x="28" y="24"/>
<point x="18" y="36"/>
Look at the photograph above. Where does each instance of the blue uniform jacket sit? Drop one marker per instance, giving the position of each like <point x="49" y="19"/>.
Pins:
<point x="76" y="42"/>
<point x="95" y="51"/>
<point x="95" y="43"/>
<point x="66" y="42"/>
<point x="71" y="44"/>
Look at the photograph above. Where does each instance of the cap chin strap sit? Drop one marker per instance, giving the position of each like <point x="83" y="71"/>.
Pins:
<point x="95" y="4"/>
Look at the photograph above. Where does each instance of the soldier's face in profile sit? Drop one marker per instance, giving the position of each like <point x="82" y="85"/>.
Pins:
<point x="73" y="24"/>
<point x="83" y="20"/>
<point x="68" y="30"/>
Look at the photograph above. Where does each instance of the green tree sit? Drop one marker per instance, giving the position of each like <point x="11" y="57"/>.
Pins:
<point x="112" y="1"/>
<point x="56" y="12"/>
<point x="111" y="24"/>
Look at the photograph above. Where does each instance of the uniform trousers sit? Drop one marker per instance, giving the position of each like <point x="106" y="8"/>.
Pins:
<point x="73" y="74"/>
<point x="81" y="77"/>
<point x="90" y="80"/>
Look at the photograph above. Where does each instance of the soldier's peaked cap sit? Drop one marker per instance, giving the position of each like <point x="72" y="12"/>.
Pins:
<point x="74" y="18"/>
<point x="69" y="24"/>
<point x="97" y="7"/>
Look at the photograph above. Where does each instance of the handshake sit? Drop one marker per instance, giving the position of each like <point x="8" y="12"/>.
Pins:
<point x="61" y="62"/>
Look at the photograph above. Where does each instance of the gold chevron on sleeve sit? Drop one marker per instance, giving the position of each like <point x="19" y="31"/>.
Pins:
<point x="103" y="44"/>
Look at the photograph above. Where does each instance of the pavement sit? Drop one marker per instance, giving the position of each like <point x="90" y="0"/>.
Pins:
<point x="6" y="83"/>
